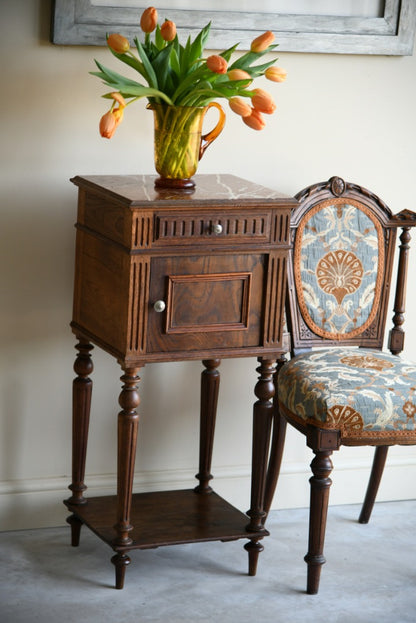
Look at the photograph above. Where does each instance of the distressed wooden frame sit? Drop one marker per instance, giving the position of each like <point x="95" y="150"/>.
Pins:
<point x="81" y="22"/>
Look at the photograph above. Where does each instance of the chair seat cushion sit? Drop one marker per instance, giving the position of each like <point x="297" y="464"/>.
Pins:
<point x="369" y="396"/>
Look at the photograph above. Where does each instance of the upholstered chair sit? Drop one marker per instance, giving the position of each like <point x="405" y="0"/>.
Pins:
<point x="339" y="387"/>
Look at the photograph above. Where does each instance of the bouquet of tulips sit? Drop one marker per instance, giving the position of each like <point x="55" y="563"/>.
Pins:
<point x="178" y="75"/>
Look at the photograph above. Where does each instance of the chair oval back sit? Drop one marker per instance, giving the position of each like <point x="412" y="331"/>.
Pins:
<point x="340" y="266"/>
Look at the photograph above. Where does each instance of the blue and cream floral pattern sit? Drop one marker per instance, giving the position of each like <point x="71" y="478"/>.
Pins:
<point x="339" y="268"/>
<point x="368" y="395"/>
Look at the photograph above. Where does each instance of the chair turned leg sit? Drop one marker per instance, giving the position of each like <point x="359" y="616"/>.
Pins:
<point x="320" y="483"/>
<point x="277" y="445"/>
<point x="120" y="561"/>
<point x="379" y="461"/>
<point x="275" y="461"/>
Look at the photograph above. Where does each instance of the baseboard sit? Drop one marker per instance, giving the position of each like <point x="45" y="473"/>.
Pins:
<point x="29" y="504"/>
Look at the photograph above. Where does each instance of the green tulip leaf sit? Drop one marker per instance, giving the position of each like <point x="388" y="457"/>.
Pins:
<point x="151" y="77"/>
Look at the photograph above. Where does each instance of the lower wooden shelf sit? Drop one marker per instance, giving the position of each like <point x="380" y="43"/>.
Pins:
<point x="167" y="518"/>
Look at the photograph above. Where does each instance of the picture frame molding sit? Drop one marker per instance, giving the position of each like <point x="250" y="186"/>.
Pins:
<point x="86" y="22"/>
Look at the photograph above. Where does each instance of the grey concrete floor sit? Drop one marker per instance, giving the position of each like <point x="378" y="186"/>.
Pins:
<point x="370" y="575"/>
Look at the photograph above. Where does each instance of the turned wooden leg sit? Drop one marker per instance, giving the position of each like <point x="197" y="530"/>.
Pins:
<point x="210" y="383"/>
<point x="277" y="445"/>
<point x="76" y="525"/>
<point x="320" y="483"/>
<point x="379" y="461"/>
<point x="81" y="406"/>
<point x="262" y="420"/>
<point x="128" y="420"/>
<point x="120" y="561"/>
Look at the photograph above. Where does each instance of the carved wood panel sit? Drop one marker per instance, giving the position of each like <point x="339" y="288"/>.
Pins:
<point x="212" y="301"/>
<point x="276" y="287"/>
<point x="137" y="323"/>
<point x="142" y="231"/>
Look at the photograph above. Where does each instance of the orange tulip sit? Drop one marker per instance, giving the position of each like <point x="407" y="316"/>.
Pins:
<point x="107" y="125"/>
<point x="148" y="20"/>
<point x="168" y="30"/>
<point x="263" y="102"/>
<point x="254" y="121"/>
<point x="217" y="64"/>
<point x="259" y="44"/>
<point x="276" y="74"/>
<point x="110" y="121"/>
<point x="118" y="43"/>
<point x="239" y="74"/>
<point x="239" y="106"/>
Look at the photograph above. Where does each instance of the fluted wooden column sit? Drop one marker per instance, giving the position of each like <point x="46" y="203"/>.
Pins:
<point x="210" y="383"/>
<point x="81" y="406"/>
<point x="128" y="420"/>
<point x="262" y="421"/>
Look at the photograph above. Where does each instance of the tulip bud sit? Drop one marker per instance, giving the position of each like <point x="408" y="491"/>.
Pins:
<point x="168" y="30"/>
<point x="276" y="74"/>
<point x="254" y="121"/>
<point x="110" y="121"/>
<point x="107" y="125"/>
<point x="217" y="64"/>
<point x="148" y="20"/>
<point x="239" y="74"/>
<point x="262" y="43"/>
<point x="263" y="102"/>
<point x="118" y="43"/>
<point x="239" y="106"/>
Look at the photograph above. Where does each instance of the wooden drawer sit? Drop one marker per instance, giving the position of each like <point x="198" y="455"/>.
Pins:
<point x="138" y="230"/>
<point x="212" y="226"/>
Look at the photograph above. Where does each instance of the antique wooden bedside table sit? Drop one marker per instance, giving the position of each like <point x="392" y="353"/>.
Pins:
<point x="165" y="275"/>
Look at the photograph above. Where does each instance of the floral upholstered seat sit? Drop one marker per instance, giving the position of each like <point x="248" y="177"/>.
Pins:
<point x="340" y="387"/>
<point x="365" y="394"/>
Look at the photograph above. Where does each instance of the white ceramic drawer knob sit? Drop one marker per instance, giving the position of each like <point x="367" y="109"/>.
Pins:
<point x="159" y="306"/>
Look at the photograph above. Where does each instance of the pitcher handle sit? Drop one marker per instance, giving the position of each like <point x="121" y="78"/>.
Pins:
<point x="206" y="139"/>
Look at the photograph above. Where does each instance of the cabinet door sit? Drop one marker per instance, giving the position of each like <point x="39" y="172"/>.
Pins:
<point x="212" y="301"/>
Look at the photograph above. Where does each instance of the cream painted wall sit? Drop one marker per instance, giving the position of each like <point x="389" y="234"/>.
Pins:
<point x="352" y="116"/>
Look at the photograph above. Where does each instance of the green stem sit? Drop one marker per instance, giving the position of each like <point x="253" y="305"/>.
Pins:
<point x="177" y="131"/>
